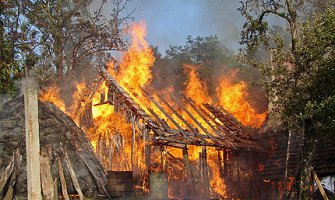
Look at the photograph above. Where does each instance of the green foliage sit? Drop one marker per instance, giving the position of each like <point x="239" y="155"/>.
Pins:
<point x="55" y="38"/>
<point x="298" y="80"/>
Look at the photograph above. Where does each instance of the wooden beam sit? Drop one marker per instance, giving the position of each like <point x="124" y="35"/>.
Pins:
<point x="197" y="110"/>
<point x="6" y="173"/>
<point x="162" y="99"/>
<point x="318" y="183"/>
<point x="195" y="120"/>
<point x="72" y="175"/>
<point x="182" y="131"/>
<point x="62" y="179"/>
<point x="46" y="177"/>
<point x="12" y="181"/>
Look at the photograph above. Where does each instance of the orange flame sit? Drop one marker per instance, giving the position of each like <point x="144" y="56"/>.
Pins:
<point x="52" y="95"/>
<point x="233" y="98"/>
<point x="111" y="134"/>
<point x="195" y="89"/>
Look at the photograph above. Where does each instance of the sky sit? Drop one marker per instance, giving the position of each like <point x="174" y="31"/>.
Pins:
<point x="169" y="22"/>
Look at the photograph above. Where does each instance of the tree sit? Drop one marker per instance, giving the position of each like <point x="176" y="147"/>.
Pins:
<point x="297" y="79"/>
<point x="57" y="39"/>
<point x="207" y="53"/>
<point x="72" y="36"/>
<point x="16" y="46"/>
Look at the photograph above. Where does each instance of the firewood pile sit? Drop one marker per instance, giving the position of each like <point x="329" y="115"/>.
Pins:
<point x="68" y="162"/>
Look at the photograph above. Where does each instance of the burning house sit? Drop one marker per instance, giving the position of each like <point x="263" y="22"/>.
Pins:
<point x="136" y="142"/>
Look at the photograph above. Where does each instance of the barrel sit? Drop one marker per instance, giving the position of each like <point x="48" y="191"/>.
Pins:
<point x="158" y="186"/>
<point x="120" y="184"/>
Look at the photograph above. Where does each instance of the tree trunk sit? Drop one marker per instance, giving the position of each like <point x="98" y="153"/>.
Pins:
<point x="306" y="169"/>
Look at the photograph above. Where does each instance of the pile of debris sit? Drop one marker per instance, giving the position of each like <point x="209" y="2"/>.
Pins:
<point x="67" y="156"/>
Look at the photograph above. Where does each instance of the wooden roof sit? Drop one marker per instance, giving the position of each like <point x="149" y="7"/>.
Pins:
<point x="225" y="131"/>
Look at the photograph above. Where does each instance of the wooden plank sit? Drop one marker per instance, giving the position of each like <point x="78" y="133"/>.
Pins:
<point x="73" y="175"/>
<point x="6" y="173"/>
<point x="46" y="177"/>
<point x="12" y="181"/>
<point x="62" y="179"/>
<point x="9" y="194"/>
<point x="323" y="193"/>
<point x="56" y="189"/>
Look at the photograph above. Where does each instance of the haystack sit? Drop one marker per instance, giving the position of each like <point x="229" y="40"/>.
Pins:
<point x="58" y="134"/>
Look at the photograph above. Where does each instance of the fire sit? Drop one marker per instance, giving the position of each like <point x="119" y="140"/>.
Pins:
<point x="135" y="66"/>
<point x="233" y="98"/>
<point x="195" y="89"/>
<point x="52" y="95"/>
<point x="111" y="134"/>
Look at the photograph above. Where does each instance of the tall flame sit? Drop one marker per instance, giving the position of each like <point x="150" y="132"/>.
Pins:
<point x="135" y="66"/>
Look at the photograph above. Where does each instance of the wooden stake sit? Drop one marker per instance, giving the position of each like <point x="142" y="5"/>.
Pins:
<point x="62" y="179"/>
<point x="32" y="143"/>
<point x="73" y="175"/>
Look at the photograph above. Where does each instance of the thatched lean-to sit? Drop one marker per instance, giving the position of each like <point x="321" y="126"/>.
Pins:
<point x="56" y="130"/>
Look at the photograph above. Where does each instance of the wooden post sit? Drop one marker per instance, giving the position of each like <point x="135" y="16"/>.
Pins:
<point x="220" y="163"/>
<point x="187" y="167"/>
<point x="133" y="137"/>
<point x="32" y="142"/>
<point x="205" y="172"/>
<point x="146" y="148"/>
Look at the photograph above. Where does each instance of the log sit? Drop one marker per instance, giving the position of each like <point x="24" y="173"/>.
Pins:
<point x="73" y="175"/>
<point x="46" y="177"/>
<point x="323" y="193"/>
<point x="62" y="179"/>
